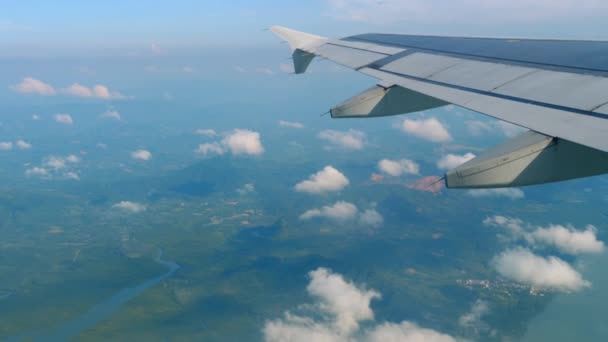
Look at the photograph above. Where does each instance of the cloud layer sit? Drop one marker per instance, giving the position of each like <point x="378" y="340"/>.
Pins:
<point x="31" y="85"/>
<point x="427" y="129"/>
<point x="339" y="309"/>
<point x="131" y="207"/>
<point x="327" y="180"/>
<point x="511" y="193"/>
<point x="397" y="168"/>
<point x="349" y="140"/>
<point x="550" y="273"/>
<point x="237" y="142"/>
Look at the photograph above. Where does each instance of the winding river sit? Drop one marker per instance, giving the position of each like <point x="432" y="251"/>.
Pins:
<point x="102" y="310"/>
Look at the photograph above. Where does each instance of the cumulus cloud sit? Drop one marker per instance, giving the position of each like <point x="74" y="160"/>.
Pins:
<point x="425" y="11"/>
<point x="349" y="140"/>
<point x="339" y="309"/>
<point x="141" y="155"/>
<point x="65" y="119"/>
<point x="452" y="161"/>
<point x="6" y="146"/>
<point x="397" y="168"/>
<point x="371" y="217"/>
<point x="23" y="145"/>
<point x="327" y="180"/>
<point x="31" y="85"/>
<point x="243" y="141"/>
<point x="55" y="162"/>
<point x="343" y="211"/>
<point x="128" y="206"/>
<point x="210" y="148"/>
<point x="566" y="239"/>
<point x="246" y="189"/>
<point x="427" y="129"/>
<point x="340" y="211"/>
<point x="550" y="273"/>
<point x="37" y="171"/>
<point x="289" y="124"/>
<point x="511" y="193"/>
<point x="111" y="114"/>
<point x="206" y="132"/>
<point x="72" y="175"/>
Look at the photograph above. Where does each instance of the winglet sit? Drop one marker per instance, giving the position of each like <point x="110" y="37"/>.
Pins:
<point x="302" y="46"/>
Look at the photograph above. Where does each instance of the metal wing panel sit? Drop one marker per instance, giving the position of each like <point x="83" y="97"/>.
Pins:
<point x="481" y="75"/>
<point x="422" y="64"/>
<point x="560" y="88"/>
<point x="352" y="58"/>
<point x="603" y="109"/>
<point x="583" y="129"/>
<point x="386" y="50"/>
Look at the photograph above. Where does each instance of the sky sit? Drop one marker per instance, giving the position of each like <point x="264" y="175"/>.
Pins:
<point x="36" y="26"/>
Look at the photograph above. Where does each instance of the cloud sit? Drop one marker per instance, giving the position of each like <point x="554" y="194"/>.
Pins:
<point x="264" y="70"/>
<point x="349" y="140"/>
<point x="327" y="180"/>
<point x="157" y="49"/>
<point x="511" y="193"/>
<point x="371" y="217"/>
<point x="187" y="69"/>
<point x="491" y="12"/>
<point x="478" y="128"/>
<point x="97" y="91"/>
<point x="286" y="68"/>
<point x="549" y="273"/>
<point x="206" y="132"/>
<point x="339" y="309"/>
<point x="111" y="114"/>
<point x="566" y="239"/>
<point x="72" y="175"/>
<point x="23" y="145"/>
<point x="65" y="119"/>
<point x="452" y="161"/>
<point x="473" y="317"/>
<point x="246" y="189"/>
<point x="35" y="117"/>
<point x="37" y="171"/>
<point x="141" y="155"/>
<point x="508" y="129"/>
<point x="31" y="85"/>
<point x="210" y="148"/>
<point x="132" y="207"/>
<point x="340" y="211"/>
<point x="290" y="124"/>
<point x="343" y="211"/>
<point x="243" y="141"/>
<point x="6" y="146"/>
<point x="427" y="129"/>
<point x="54" y="162"/>
<point x="397" y="168"/>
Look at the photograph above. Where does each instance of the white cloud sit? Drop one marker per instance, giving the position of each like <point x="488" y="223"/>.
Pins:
<point x="246" y="189"/>
<point x="72" y="158"/>
<point x="157" y="49"/>
<point x="98" y="91"/>
<point x="339" y="309"/>
<point x="129" y="206"/>
<point x="35" y="117"/>
<point x="327" y="180"/>
<point x="473" y="317"/>
<point x="37" y="171"/>
<point x="289" y="124"/>
<point x="452" y="161"/>
<point x="31" y="85"/>
<point x="264" y="70"/>
<point x="433" y="11"/>
<point x="286" y="68"/>
<point x="55" y="162"/>
<point x="549" y="273"/>
<point x="340" y="211"/>
<point x="72" y="175"/>
<point x="427" y="129"/>
<point x="206" y="132"/>
<point x="511" y="193"/>
<point x="397" y="168"/>
<point x="6" y="146"/>
<point x="210" y="148"/>
<point x="477" y="128"/>
<point x="23" y="145"/>
<point x="567" y="239"/>
<point x="65" y="119"/>
<point x="141" y="155"/>
<point x="111" y="114"/>
<point x="243" y="141"/>
<point x="187" y="69"/>
<point x="371" y="217"/>
<point x="508" y="129"/>
<point x="350" y="140"/>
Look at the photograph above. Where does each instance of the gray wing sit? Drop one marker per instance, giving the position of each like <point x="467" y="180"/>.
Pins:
<point x="557" y="89"/>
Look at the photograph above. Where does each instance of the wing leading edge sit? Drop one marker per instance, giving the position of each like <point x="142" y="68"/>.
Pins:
<point x="557" y="89"/>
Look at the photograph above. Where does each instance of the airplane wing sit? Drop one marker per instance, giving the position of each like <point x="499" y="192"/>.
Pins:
<point x="558" y="89"/>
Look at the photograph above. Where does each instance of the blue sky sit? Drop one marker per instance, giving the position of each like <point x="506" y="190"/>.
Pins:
<point x="115" y="23"/>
